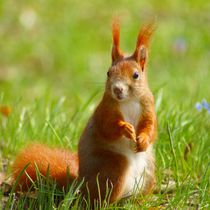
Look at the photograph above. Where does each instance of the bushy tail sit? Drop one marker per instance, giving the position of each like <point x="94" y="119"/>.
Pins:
<point x="61" y="165"/>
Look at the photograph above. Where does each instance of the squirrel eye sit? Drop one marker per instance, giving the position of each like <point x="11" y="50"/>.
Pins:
<point x="136" y="75"/>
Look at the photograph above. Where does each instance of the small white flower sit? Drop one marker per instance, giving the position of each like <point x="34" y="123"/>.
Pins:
<point x="28" y="18"/>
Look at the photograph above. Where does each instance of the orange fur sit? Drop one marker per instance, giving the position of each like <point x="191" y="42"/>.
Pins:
<point x="116" y="32"/>
<point x="143" y="40"/>
<point x="116" y="52"/>
<point x="58" y="161"/>
<point x="112" y="144"/>
<point x="145" y="35"/>
<point x="107" y="125"/>
<point x="147" y="127"/>
<point x="107" y="115"/>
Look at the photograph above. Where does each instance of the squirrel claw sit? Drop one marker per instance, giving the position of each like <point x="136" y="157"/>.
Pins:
<point x="142" y="143"/>
<point x="128" y="131"/>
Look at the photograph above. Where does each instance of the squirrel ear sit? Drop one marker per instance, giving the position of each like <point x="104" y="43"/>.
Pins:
<point x="116" y="52"/>
<point x="141" y="52"/>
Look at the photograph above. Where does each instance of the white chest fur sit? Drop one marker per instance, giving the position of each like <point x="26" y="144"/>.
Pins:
<point x="131" y="111"/>
<point x="137" y="162"/>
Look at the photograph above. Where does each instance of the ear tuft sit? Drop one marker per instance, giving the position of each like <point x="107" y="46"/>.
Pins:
<point x="116" y="32"/>
<point x="145" y="34"/>
<point x="116" y="52"/>
<point x="142" y="56"/>
<point x="141" y="51"/>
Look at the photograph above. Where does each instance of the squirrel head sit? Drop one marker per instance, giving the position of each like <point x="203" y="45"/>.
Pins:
<point x="126" y="78"/>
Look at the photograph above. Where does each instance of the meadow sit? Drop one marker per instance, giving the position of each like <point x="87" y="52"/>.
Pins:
<point x="54" y="56"/>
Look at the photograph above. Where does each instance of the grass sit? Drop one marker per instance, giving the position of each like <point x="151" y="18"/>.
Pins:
<point x="52" y="72"/>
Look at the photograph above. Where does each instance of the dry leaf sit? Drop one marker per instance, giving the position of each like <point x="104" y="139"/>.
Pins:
<point x="2" y="177"/>
<point x="5" y="110"/>
<point x="188" y="149"/>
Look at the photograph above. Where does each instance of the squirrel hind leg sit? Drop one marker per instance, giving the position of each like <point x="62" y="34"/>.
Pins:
<point x="150" y="178"/>
<point x="61" y="165"/>
<point x="108" y="184"/>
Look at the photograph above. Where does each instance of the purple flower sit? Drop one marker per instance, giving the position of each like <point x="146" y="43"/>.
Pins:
<point x="180" y="45"/>
<point x="198" y="106"/>
<point x="205" y="104"/>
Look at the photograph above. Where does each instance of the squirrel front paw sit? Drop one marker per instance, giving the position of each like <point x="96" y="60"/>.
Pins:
<point x="142" y="142"/>
<point x="128" y="130"/>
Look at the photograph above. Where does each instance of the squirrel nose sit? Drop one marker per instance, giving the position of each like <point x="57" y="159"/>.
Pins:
<point x="118" y="90"/>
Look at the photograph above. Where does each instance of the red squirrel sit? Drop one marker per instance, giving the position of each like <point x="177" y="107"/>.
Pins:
<point x="115" y="149"/>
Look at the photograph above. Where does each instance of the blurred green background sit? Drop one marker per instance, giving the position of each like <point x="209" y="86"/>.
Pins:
<point x="54" y="56"/>
<point x="63" y="47"/>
